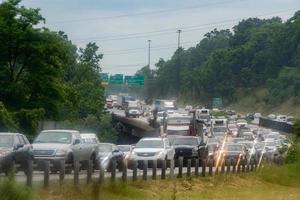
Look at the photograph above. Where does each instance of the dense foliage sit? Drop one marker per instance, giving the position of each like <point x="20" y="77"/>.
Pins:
<point x="43" y="76"/>
<point x="258" y="52"/>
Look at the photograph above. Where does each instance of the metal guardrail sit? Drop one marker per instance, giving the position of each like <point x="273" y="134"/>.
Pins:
<point x="191" y="167"/>
<point x="276" y="125"/>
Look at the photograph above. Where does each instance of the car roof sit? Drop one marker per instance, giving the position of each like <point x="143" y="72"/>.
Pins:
<point x="106" y="144"/>
<point x="88" y="135"/>
<point x="9" y="133"/>
<point x="61" y="130"/>
<point x="153" y="138"/>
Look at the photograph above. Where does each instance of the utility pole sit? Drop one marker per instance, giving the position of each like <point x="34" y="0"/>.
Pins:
<point x="149" y="46"/>
<point x="179" y="31"/>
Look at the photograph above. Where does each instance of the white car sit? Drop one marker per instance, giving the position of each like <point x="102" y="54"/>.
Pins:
<point x="89" y="138"/>
<point x="152" y="149"/>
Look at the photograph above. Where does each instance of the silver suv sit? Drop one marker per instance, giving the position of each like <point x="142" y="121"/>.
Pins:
<point x="56" y="145"/>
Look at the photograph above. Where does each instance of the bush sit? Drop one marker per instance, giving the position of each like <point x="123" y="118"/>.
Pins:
<point x="6" y="121"/>
<point x="10" y="190"/>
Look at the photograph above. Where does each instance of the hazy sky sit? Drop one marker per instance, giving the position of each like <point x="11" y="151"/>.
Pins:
<point x="122" y="28"/>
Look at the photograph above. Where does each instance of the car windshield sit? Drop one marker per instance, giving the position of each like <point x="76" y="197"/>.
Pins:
<point x="90" y="140"/>
<point x="248" y="145"/>
<point x="204" y="117"/>
<point x="211" y="147"/>
<point x="219" y="129"/>
<point x="54" y="137"/>
<point x="150" y="144"/>
<point x="234" y="148"/>
<point x="186" y="141"/>
<point x="105" y="147"/>
<point x="6" y="141"/>
<point x="124" y="148"/>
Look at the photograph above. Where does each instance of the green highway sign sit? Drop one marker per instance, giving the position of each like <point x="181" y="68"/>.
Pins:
<point x="217" y="101"/>
<point x="116" y="79"/>
<point x="104" y="77"/>
<point x="136" y="80"/>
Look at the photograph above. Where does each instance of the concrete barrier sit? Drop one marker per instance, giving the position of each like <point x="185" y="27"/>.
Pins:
<point x="276" y="125"/>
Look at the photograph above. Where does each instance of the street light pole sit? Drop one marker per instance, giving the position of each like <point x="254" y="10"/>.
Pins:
<point x="149" y="47"/>
<point x="179" y="31"/>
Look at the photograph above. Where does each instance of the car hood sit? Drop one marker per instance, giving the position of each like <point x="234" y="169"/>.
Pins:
<point x="104" y="154"/>
<point x="149" y="150"/>
<point x="50" y="146"/>
<point x="184" y="147"/>
<point x="233" y="153"/>
<point x="5" y="151"/>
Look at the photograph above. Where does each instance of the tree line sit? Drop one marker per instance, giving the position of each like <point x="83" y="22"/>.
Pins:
<point x="44" y="76"/>
<point x="256" y="53"/>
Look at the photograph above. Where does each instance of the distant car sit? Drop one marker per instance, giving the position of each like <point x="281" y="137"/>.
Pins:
<point x="236" y="140"/>
<point x="188" y="108"/>
<point x="89" y="138"/>
<point x="251" y="149"/>
<point x="152" y="149"/>
<point x="272" y="136"/>
<point x="107" y="153"/>
<point x="271" y="149"/>
<point x="219" y="131"/>
<point x="213" y="149"/>
<point x="186" y="146"/>
<point x="14" y="147"/>
<point x="235" y="151"/>
<point x="272" y="116"/>
<point x="126" y="149"/>
<point x="247" y="136"/>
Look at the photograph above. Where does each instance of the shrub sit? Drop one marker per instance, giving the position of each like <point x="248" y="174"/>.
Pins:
<point x="6" y="121"/>
<point x="10" y="190"/>
<point x="296" y="128"/>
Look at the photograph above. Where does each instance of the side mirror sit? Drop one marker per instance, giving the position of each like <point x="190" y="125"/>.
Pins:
<point x="77" y="141"/>
<point x="18" y="146"/>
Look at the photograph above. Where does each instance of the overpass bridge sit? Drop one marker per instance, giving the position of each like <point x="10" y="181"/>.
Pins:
<point x="138" y="127"/>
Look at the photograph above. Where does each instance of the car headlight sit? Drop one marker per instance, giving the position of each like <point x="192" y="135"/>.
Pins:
<point x="4" y="153"/>
<point x="160" y="154"/>
<point x="61" y="152"/>
<point x="195" y="151"/>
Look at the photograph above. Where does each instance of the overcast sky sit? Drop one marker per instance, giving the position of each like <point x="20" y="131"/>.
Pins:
<point x="122" y="28"/>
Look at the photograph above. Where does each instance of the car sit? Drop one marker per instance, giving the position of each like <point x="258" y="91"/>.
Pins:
<point x="272" y="136"/>
<point x="251" y="149"/>
<point x="235" y="151"/>
<point x="132" y="109"/>
<point x="212" y="149"/>
<point x="236" y="140"/>
<point x="89" y="138"/>
<point x="152" y="149"/>
<point x="271" y="149"/>
<point x="186" y="146"/>
<point x="107" y="153"/>
<point x="14" y="147"/>
<point x="188" y="108"/>
<point x="219" y="131"/>
<point x="126" y="149"/>
<point x="247" y="136"/>
<point x="242" y="129"/>
<point x="179" y="125"/>
<point x="57" y="145"/>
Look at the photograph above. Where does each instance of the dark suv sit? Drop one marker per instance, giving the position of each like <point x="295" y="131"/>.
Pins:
<point x="14" y="147"/>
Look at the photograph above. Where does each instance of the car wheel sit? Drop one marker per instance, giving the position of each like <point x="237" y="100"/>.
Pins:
<point x="70" y="164"/>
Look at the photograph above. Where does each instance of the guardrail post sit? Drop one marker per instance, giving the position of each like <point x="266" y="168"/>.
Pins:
<point x="113" y="170"/>
<point x="248" y="167"/>
<point x="189" y="164"/>
<point x="76" y="172"/>
<point x="46" y="173"/>
<point x="210" y="165"/>
<point x="134" y="172"/>
<point x="196" y="167"/>
<point x="29" y="172"/>
<point x="238" y="164"/>
<point x="244" y="165"/>
<point x="61" y="171"/>
<point x="223" y="167"/>
<point x="228" y="165"/>
<point x="89" y="172"/>
<point x="145" y="169"/>
<point x="172" y="166"/>
<point x="154" y="169"/>
<point x="180" y="166"/>
<point x="234" y="166"/>
<point x="251" y="165"/>
<point x="124" y="171"/>
<point x="203" y="167"/>
<point x="101" y="173"/>
<point x="163" y="169"/>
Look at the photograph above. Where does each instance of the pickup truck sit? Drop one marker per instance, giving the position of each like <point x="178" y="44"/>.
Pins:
<point x="56" y="145"/>
<point x="132" y="109"/>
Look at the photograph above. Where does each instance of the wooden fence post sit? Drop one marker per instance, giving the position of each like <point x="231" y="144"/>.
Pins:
<point x="76" y="172"/>
<point x="89" y="172"/>
<point x="180" y="166"/>
<point x="113" y="170"/>
<point x="163" y="169"/>
<point x="134" y="173"/>
<point x="228" y="165"/>
<point x="210" y="165"/>
<point x="46" y="173"/>
<point x="145" y="169"/>
<point x="203" y="168"/>
<point x="196" y="167"/>
<point x="172" y="165"/>
<point x="101" y="174"/>
<point x="223" y="167"/>
<point x="154" y="169"/>
<point x="124" y="171"/>
<point x="189" y="164"/>
<point x="61" y="171"/>
<point x="234" y="165"/>
<point x="29" y="172"/>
